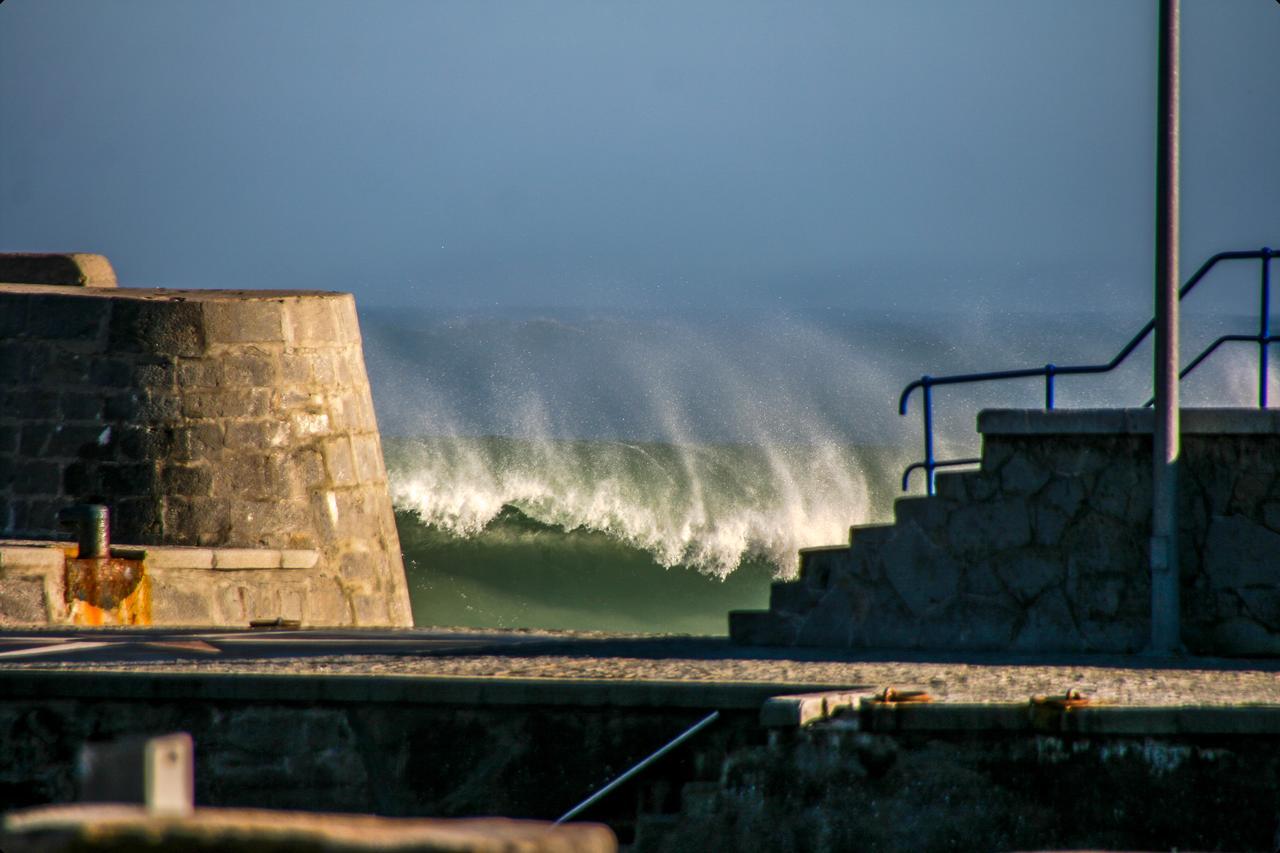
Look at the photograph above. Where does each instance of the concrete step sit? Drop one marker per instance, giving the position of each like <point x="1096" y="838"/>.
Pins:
<point x="926" y="512"/>
<point x="869" y="535"/>
<point x="951" y="485"/>
<point x="759" y="628"/>
<point x="816" y="564"/>
<point x="964" y="486"/>
<point x="793" y="596"/>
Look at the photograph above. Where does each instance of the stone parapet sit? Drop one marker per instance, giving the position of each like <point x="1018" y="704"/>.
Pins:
<point x="188" y="586"/>
<point x="1045" y="547"/>
<point x="227" y="419"/>
<point x="1125" y="421"/>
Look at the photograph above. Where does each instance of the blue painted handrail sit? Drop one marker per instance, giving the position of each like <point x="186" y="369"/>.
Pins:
<point x="1263" y="339"/>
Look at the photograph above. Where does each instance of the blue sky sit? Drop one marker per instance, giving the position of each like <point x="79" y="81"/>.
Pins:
<point x="463" y="154"/>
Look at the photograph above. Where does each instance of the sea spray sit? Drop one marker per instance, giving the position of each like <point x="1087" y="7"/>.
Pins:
<point x="652" y="472"/>
<point x="708" y="507"/>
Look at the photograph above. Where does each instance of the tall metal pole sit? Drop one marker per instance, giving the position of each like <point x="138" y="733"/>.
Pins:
<point x="1165" y="604"/>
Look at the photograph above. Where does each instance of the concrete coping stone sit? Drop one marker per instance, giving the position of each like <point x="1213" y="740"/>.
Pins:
<point x="788" y="704"/>
<point x="52" y="557"/>
<point x="31" y="558"/>
<point x="1125" y="421"/>
<point x="299" y="558"/>
<point x="230" y="559"/>
<point x="120" y="826"/>
<point x="76" y="269"/>
<point x="246" y="558"/>
<point x="165" y="294"/>
<point x="177" y="557"/>
<point x="805" y="708"/>
<point x="1100" y="719"/>
<point x="475" y="691"/>
<point x="817" y="549"/>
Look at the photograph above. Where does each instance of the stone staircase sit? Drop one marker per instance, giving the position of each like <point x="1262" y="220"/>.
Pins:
<point x="1044" y="548"/>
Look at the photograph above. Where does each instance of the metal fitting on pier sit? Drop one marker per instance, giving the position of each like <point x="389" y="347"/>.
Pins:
<point x="92" y="524"/>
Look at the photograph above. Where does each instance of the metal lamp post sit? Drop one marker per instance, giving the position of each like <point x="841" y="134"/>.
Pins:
<point x="1165" y="598"/>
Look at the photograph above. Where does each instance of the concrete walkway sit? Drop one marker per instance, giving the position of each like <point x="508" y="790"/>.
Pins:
<point x="530" y="656"/>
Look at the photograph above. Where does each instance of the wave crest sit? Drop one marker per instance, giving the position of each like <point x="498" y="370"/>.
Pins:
<point x="709" y="507"/>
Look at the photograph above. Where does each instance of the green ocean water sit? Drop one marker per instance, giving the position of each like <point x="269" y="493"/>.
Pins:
<point x="617" y="536"/>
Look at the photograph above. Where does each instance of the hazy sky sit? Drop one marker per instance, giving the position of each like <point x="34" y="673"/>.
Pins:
<point x="461" y="153"/>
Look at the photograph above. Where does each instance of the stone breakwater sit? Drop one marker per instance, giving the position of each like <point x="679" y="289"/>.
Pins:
<point x="1162" y="757"/>
<point x="223" y="419"/>
<point x="1045" y="547"/>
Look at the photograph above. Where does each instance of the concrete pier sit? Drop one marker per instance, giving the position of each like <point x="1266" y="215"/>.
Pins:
<point x="204" y="418"/>
<point x="1013" y="752"/>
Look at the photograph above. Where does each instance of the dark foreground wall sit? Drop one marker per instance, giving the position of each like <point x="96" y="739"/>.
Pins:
<point x="392" y="746"/>
<point x="1045" y="548"/>
<point x="210" y="418"/>
<point x="834" y="788"/>
<point x="943" y="778"/>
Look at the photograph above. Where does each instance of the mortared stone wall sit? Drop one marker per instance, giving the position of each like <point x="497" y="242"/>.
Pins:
<point x="208" y="418"/>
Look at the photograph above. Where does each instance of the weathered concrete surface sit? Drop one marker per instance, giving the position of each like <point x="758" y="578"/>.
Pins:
<point x="526" y="666"/>
<point x="238" y="419"/>
<point x="1044" y="548"/>
<point x="60" y="829"/>
<point x="978" y="770"/>
<point x="187" y="585"/>
<point x="834" y="787"/>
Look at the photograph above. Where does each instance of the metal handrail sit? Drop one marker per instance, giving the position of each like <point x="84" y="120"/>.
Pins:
<point x="926" y="384"/>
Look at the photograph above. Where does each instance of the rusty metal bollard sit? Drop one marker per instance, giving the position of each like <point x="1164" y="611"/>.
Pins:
<point x="92" y="523"/>
<point x="102" y="589"/>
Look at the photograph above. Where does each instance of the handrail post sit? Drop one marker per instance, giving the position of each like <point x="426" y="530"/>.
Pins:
<point x="1264" y="327"/>
<point x="926" y="387"/>
<point x="1049" y="370"/>
<point x="1166" y="632"/>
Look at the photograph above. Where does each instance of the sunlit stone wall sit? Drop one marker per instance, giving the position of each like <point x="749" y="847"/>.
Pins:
<point x="204" y="418"/>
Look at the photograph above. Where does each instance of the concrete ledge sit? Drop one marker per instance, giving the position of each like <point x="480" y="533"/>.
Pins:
<point x="779" y="705"/>
<point x="432" y="690"/>
<point x="806" y="708"/>
<point x="23" y="558"/>
<point x="246" y="558"/>
<point x="177" y="557"/>
<point x="817" y="549"/>
<point x="1125" y="421"/>
<point x="120" y="827"/>
<point x="1094" y="719"/>
<point x="297" y="558"/>
<point x="43" y="558"/>
<point x="165" y="294"/>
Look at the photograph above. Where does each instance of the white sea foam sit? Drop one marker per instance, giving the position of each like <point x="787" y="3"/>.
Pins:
<point x="709" y="507"/>
<point x="707" y="443"/>
<point x="748" y="433"/>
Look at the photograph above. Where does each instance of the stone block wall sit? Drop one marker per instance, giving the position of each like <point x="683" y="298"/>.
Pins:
<point x="1045" y="547"/>
<point x="184" y="586"/>
<point x="203" y="418"/>
<point x="396" y="758"/>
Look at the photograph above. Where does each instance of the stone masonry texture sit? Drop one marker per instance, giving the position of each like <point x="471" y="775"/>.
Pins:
<point x="1045" y="547"/>
<point x="204" y="418"/>
<point x="834" y="785"/>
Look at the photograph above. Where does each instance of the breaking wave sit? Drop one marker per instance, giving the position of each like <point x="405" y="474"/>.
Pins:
<point x="610" y="535"/>
<point x="705" y="507"/>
